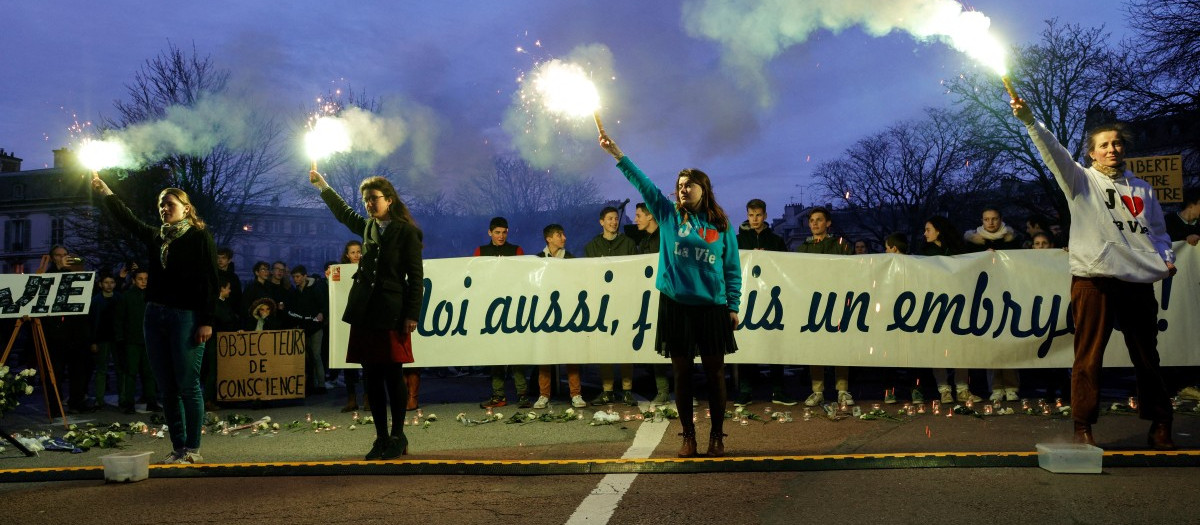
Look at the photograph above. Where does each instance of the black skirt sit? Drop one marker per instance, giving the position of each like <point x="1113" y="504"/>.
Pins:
<point x="693" y="329"/>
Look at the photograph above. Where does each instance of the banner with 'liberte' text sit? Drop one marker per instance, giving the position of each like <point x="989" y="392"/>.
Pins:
<point x="1006" y="309"/>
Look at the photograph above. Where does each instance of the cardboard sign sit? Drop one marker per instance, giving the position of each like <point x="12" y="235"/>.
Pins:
<point x="45" y="294"/>
<point x="1165" y="173"/>
<point x="260" y="365"/>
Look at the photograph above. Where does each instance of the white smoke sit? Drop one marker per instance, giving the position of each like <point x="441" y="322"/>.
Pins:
<point x="752" y="32"/>
<point x="546" y="139"/>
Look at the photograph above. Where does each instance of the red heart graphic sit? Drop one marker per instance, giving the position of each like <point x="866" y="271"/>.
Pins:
<point x="710" y="235"/>
<point x="1134" y="204"/>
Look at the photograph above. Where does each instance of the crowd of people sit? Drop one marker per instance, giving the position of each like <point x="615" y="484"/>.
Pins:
<point x="153" y="323"/>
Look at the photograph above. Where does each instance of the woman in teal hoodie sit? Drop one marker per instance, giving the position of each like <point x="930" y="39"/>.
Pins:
<point x="700" y="280"/>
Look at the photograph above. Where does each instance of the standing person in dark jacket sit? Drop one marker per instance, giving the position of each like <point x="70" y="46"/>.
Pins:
<point x="649" y="244"/>
<point x="258" y="287"/>
<point x="68" y="338"/>
<point x="352" y="254"/>
<point x="225" y="319"/>
<point x="942" y="238"/>
<point x="700" y="277"/>
<point x="130" y="338"/>
<point x="610" y="243"/>
<point x="226" y="269"/>
<point x="556" y="248"/>
<point x="819" y="221"/>
<point x="1184" y="225"/>
<point x="755" y="234"/>
<point x="384" y="302"/>
<point x="103" y="307"/>
<point x="308" y="306"/>
<point x="500" y="247"/>
<point x="180" y="301"/>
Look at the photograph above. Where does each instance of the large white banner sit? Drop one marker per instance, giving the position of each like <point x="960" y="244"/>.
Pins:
<point x="987" y="310"/>
<point x="44" y="294"/>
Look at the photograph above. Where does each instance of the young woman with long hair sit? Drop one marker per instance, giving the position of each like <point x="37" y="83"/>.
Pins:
<point x="700" y="281"/>
<point x="384" y="303"/>
<point x="181" y="301"/>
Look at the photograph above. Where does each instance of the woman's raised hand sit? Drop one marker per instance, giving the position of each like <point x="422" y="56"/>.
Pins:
<point x="610" y="146"/>
<point x="1021" y="110"/>
<point x="317" y="180"/>
<point x="99" y="186"/>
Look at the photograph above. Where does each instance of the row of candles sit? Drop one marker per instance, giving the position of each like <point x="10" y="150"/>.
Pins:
<point x="744" y="418"/>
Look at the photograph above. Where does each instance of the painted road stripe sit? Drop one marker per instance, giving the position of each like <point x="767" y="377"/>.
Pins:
<point x="599" y="506"/>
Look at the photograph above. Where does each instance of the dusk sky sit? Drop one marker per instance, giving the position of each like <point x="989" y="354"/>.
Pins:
<point x="668" y="102"/>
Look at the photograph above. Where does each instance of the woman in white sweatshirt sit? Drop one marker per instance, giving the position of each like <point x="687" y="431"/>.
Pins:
<point x="1118" y="248"/>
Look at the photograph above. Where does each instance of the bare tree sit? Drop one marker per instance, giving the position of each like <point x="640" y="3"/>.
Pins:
<point x="1165" y="77"/>
<point x="516" y="188"/>
<point x="1067" y="78"/>
<point x="896" y="179"/>
<point x="224" y="165"/>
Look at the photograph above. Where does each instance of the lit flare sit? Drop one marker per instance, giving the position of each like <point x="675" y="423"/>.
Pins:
<point x="327" y="137"/>
<point x="96" y="155"/>
<point x="566" y="89"/>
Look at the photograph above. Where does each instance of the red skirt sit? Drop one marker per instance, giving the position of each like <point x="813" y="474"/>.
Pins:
<point x="378" y="346"/>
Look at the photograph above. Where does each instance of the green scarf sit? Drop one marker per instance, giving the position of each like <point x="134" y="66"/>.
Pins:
<point x="170" y="232"/>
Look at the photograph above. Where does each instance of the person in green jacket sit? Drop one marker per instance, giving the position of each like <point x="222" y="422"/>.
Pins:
<point x="609" y="243"/>
<point x="819" y="222"/>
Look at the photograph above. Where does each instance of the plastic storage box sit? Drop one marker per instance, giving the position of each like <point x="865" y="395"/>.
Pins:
<point x="126" y="466"/>
<point x="1070" y="458"/>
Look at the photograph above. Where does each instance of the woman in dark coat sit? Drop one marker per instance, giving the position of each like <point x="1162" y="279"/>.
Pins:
<point x="384" y="302"/>
<point x="180" y="303"/>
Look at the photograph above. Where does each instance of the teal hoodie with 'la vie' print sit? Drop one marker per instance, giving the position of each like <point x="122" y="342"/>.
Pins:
<point x="697" y="264"/>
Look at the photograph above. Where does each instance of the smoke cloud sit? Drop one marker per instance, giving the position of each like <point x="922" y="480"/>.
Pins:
<point x="752" y="32"/>
<point x="547" y="140"/>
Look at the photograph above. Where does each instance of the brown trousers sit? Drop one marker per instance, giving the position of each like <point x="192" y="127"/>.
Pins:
<point x="1099" y="305"/>
<point x="545" y="373"/>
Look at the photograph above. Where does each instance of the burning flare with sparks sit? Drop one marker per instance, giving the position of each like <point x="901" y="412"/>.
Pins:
<point x="565" y="88"/>
<point x="327" y="137"/>
<point x="97" y="155"/>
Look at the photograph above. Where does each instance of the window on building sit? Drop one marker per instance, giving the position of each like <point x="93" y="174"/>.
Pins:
<point x="57" y="229"/>
<point x="16" y="235"/>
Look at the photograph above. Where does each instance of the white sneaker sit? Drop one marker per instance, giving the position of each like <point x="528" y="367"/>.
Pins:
<point x="997" y="395"/>
<point x="1010" y="394"/>
<point x="946" y="395"/>
<point x="578" y="402"/>
<point x="816" y="398"/>
<point x="191" y="457"/>
<point x="175" y="457"/>
<point x="543" y="401"/>
<point x="844" y="398"/>
<point x="965" y="394"/>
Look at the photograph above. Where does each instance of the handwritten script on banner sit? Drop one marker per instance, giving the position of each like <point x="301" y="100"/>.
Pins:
<point x="1005" y="309"/>
<point x="45" y="294"/>
<point x="262" y="365"/>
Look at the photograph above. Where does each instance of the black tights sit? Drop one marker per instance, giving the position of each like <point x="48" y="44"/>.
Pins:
<point x="714" y="373"/>
<point x="385" y="386"/>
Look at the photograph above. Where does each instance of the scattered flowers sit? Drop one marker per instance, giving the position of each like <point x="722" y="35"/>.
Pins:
<point x="13" y="387"/>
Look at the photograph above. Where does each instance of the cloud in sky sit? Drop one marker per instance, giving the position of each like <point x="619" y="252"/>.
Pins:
<point x="452" y="70"/>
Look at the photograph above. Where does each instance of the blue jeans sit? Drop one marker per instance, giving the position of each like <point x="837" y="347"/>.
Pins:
<point x="176" y="358"/>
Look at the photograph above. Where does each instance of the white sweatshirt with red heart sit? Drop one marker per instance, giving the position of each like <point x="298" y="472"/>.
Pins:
<point x="1117" y="227"/>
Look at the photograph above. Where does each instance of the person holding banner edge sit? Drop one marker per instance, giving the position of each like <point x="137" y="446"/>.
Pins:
<point x="180" y="302"/>
<point x="699" y="280"/>
<point x="384" y="302"/>
<point x="1118" y="248"/>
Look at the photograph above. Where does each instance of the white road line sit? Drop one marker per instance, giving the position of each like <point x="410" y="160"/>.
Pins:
<point x="599" y="506"/>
